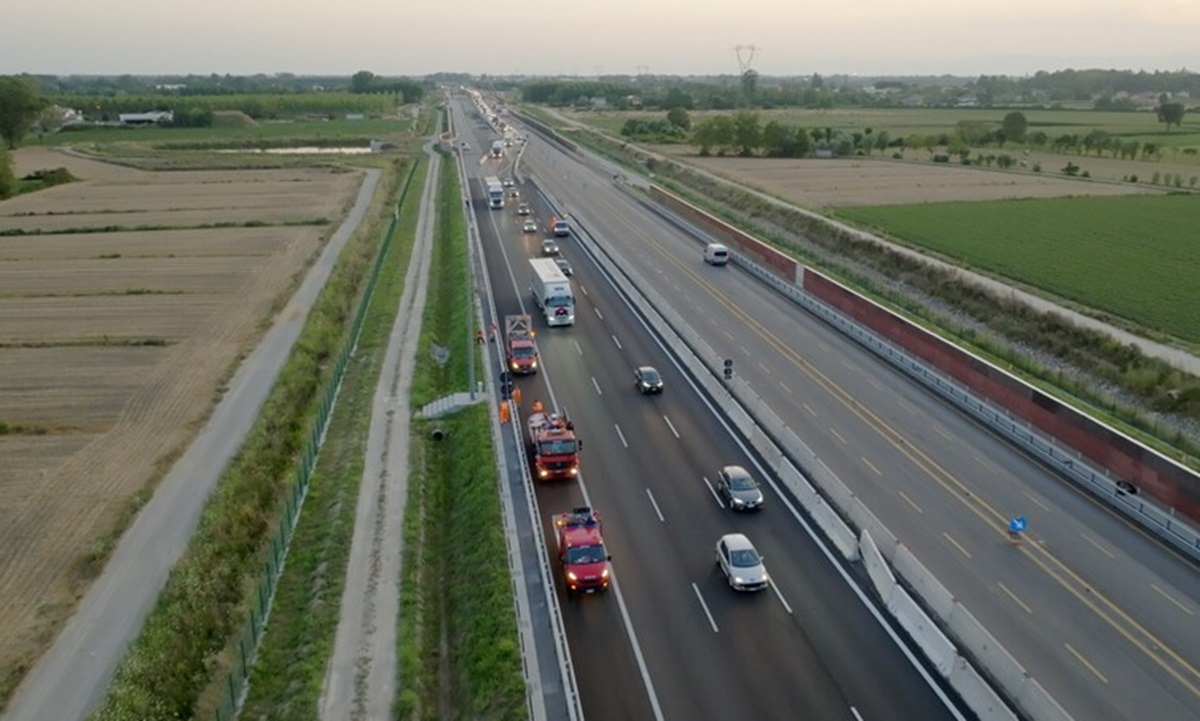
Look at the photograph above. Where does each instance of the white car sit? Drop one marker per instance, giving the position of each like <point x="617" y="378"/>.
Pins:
<point x="529" y="227"/>
<point x="739" y="561"/>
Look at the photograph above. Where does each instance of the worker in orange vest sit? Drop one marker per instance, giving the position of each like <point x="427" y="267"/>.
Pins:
<point x="503" y="412"/>
<point x="516" y="397"/>
<point x="537" y="406"/>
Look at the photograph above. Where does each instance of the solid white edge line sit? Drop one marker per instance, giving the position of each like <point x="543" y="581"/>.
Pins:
<point x="656" y="508"/>
<point x="671" y="426"/>
<point x="704" y="605"/>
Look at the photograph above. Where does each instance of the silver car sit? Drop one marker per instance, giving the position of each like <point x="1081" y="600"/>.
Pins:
<point x="739" y="561"/>
<point x="739" y="489"/>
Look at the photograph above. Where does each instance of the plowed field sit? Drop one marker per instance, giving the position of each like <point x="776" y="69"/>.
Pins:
<point x="115" y="340"/>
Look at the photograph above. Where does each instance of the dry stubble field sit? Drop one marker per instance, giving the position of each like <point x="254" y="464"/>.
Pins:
<point x="832" y="183"/>
<point x="114" y="346"/>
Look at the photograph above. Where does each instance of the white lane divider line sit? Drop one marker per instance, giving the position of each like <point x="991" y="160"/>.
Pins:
<point x="704" y="605"/>
<point x="671" y="426"/>
<point x="654" y="503"/>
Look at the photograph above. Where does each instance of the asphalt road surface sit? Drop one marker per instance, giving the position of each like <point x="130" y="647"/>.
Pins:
<point x="672" y="640"/>
<point x="1096" y="610"/>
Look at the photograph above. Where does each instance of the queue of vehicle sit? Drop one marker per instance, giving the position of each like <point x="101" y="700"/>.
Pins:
<point x="554" y="446"/>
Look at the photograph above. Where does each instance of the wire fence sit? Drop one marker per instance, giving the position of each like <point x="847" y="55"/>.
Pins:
<point x="236" y="680"/>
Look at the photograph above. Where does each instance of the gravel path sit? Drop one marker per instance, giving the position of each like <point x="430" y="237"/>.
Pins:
<point x="360" y="681"/>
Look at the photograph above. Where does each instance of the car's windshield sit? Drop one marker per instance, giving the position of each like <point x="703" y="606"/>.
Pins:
<point x="522" y="352"/>
<point x="557" y="448"/>
<point x="742" y="483"/>
<point x="743" y="558"/>
<point x="649" y="375"/>
<point x="586" y="554"/>
<point x="560" y="301"/>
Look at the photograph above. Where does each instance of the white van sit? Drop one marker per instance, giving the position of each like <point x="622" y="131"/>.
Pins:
<point x="716" y="254"/>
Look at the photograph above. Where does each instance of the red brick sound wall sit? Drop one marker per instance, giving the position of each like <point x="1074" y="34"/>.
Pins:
<point x="1153" y="474"/>
<point x="783" y="265"/>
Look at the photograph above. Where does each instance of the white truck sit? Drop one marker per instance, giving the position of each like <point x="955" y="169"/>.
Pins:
<point x="497" y="148"/>
<point x="495" y="191"/>
<point x="552" y="292"/>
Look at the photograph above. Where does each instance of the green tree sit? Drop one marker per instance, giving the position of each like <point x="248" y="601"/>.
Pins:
<point x="20" y="106"/>
<point x="1014" y="126"/>
<point x="678" y="116"/>
<point x="1171" y="114"/>
<point x="715" y="132"/>
<point x="747" y="132"/>
<point x="677" y="98"/>
<point x="8" y="181"/>
<point x="882" y="141"/>
<point x="362" y="81"/>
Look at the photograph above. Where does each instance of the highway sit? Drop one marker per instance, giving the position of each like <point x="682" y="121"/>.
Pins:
<point x="1098" y="612"/>
<point x="671" y="639"/>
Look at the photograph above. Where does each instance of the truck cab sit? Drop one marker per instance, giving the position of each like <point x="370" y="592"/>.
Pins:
<point x="520" y="345"/>
<point x="581" y="552"/>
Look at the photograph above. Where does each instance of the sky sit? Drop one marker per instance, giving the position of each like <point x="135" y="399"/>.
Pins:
<point x="570" y="37"/>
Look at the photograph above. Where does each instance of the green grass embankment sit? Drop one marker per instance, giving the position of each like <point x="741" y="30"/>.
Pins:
<point x="1129" y="256"/>
<point x="458" y="650"/>
<point x="184" y="643"/>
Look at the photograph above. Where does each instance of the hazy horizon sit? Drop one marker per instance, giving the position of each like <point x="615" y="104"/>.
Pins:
<point x="520" y="37"/>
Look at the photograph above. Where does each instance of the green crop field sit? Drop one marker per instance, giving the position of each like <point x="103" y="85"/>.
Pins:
<point x="1137" y="257"/>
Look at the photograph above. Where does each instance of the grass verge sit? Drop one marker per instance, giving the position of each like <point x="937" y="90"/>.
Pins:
<point x="458" y="651"/>
<point x="180" y="648"/>
<point x="289" y="671"/>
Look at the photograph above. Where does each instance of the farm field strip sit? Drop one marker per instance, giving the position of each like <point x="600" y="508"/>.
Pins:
<point x="1129" y="256"/>
<point x="117" y="378"/>
<point x="184" y="243"/>
<point x="840" y="183"/>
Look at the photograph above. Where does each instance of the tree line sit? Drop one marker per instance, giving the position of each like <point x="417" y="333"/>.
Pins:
<point x="1105" y="89"/>
<point x="743" y="133"/>
<point x="25" y="108"/>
